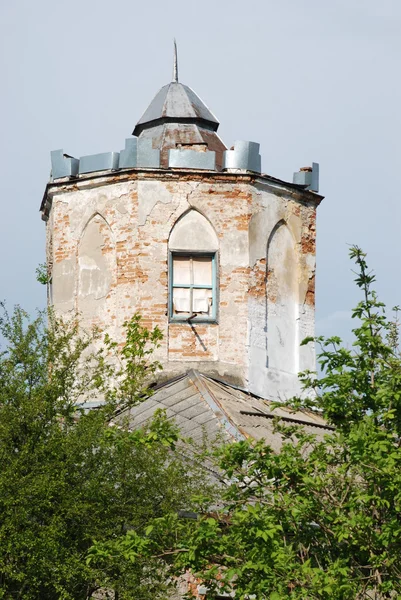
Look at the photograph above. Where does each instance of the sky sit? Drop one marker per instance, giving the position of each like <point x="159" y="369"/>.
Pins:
<point x="311" y="81"/>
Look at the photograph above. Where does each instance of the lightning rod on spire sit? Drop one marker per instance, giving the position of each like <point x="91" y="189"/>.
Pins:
<point x="175" y="67"/>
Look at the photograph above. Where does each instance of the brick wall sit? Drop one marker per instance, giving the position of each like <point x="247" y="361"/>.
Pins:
<point x="121" y="224"/>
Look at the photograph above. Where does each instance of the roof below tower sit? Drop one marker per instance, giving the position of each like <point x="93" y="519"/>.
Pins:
<point x="201" y="405"/>
<point x="176" y="103"/>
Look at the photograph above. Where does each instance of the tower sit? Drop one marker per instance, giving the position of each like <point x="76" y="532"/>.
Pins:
<point x="197" y="240"/>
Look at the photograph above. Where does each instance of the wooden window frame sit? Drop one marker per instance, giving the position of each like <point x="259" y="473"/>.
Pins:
<point x="214" y="287"/>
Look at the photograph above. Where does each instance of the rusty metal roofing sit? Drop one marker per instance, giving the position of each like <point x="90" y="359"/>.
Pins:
<point x="201" y="405"/>
<point x="168" y="136"/>
<point x="176" y="103"/>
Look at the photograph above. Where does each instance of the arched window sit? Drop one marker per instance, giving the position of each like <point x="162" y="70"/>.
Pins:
<point x="193" y="249"/>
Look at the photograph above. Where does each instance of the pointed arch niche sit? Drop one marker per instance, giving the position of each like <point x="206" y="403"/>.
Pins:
<point x="192" y="231"/>
<point x="193" y="247"/>
<point x="282" y="301"/>
<point x="96" y="268"/>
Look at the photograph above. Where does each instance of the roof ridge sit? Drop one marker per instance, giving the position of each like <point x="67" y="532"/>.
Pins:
<point x="221" y="414"/>
<point x="165" y="383"/>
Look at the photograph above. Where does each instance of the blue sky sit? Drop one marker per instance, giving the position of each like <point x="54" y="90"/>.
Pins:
<point x="308" y="80"/>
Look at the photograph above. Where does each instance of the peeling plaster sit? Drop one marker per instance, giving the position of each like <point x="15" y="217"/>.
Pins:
<point x="123" y="268"/>
<point x="149" y="194"/>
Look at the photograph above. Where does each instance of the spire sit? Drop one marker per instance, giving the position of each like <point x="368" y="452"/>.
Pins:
<point x="175" y="67"/>
<point x="176" y="103"/>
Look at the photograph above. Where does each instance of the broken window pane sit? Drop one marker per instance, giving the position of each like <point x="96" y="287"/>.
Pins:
<point x="202" y="269"/>
<point x="182" y="270"/>
<point x="182" y="300"/>
<point x="202" y="301"/>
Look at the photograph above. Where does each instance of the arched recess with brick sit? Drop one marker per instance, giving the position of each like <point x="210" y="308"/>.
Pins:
<point x="96" y="266"/>
<point x="282" y="300"/>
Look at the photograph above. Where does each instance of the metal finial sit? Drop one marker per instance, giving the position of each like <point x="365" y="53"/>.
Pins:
<point x="175" y="67"/>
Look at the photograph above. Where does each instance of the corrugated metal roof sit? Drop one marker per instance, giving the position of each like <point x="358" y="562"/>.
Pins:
<point x="176" y="102"/>
<point x="201" y="405"/>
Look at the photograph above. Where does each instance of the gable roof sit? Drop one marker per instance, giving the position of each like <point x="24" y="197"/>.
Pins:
<point x="202" y="405"/>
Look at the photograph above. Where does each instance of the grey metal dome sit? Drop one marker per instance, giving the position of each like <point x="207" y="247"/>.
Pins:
<point x="176" y="103"/>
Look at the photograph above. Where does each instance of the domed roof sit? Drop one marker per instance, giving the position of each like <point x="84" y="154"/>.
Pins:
<point x="176" y="103"/>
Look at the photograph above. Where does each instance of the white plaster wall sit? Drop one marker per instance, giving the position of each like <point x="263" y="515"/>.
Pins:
<point x="194" y="233"/>
<point x="279" y="316"/>
<point x="282" y="301"/>
<point x="96" y="270"/>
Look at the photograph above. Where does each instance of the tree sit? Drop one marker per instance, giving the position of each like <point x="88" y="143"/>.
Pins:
<point x="320" y="519"/>
<point x="70" y="476"/>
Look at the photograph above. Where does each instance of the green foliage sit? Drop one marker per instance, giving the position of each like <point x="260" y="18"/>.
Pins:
<point x="42" y="275"/>
<point x="131" y="367"/>
<point x="72" y="477"/>
<point x="84" y="505"/>
<point x="320" y="519"/>
<point x="365" y="380"/>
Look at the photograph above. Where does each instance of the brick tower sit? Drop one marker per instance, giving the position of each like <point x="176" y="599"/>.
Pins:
<point x="197" y="240"/>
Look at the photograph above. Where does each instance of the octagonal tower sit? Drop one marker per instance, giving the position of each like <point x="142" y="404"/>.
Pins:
<point x="196" y="239"/>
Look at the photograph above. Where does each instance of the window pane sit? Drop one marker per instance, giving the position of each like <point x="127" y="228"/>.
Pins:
<point x="181" y="270"/>
<point x="181" y="300"/>
<point x="202" y="270"/>
<point x="202" y="301"/>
